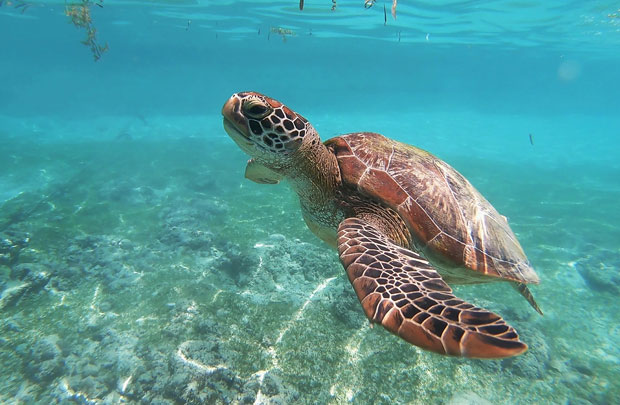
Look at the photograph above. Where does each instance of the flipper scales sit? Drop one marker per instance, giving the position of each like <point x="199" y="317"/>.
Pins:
<point x="404" y="293"/>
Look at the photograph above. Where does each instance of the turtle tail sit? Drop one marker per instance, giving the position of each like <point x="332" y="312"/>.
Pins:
<point x="523" y="290"/>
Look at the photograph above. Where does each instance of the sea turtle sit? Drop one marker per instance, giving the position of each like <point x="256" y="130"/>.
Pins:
<point x="403" y="221"/>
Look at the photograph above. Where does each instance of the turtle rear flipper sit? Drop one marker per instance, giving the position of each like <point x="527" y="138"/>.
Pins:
<point x="527" y="294"/>
<point x="403" y="292"/>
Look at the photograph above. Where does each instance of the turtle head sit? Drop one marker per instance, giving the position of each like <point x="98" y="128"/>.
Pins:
<point x="266" y="129"/>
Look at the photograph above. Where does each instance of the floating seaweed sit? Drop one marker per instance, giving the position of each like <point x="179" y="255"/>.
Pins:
<point x="282" y="31"/>
<point x="17" y="4"/>
<point x="80" y="16"/>
<point x="369" y="3"/>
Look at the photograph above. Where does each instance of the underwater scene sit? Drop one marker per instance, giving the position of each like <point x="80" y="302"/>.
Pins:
<point x="139" y="265"/>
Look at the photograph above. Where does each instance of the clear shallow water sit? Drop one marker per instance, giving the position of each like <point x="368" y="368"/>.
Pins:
<point x="137" y="264"/>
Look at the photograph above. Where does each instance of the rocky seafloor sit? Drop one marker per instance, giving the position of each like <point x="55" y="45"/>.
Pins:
<point x="150" y="271"/>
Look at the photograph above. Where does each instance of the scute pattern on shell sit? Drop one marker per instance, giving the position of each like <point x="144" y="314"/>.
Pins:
<point x="448" y="217"/>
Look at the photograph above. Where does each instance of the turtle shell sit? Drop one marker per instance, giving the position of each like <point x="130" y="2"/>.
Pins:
<point x="451" y="222"/>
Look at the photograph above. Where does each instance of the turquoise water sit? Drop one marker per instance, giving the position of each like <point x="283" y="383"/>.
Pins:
<point x="137" y="264"/>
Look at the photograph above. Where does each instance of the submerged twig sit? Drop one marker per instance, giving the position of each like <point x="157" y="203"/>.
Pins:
<point x="79" y="13"/>
<point x="384" y="16"/>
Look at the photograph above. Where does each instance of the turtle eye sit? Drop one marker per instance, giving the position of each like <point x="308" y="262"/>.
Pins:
<point x="256" y="109"/>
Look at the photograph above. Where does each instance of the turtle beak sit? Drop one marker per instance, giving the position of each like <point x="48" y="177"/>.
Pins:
<point x="233" y="118"/>
<point x="231" y="106"/>
<point x="236" y="126"/>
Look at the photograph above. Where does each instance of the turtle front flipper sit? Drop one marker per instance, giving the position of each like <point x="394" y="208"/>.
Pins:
<point x="403" y="292"/>
<point x="261" y="174"/>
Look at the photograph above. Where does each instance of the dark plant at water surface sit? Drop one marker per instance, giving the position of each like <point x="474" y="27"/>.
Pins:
<point x="80" y="15"/>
